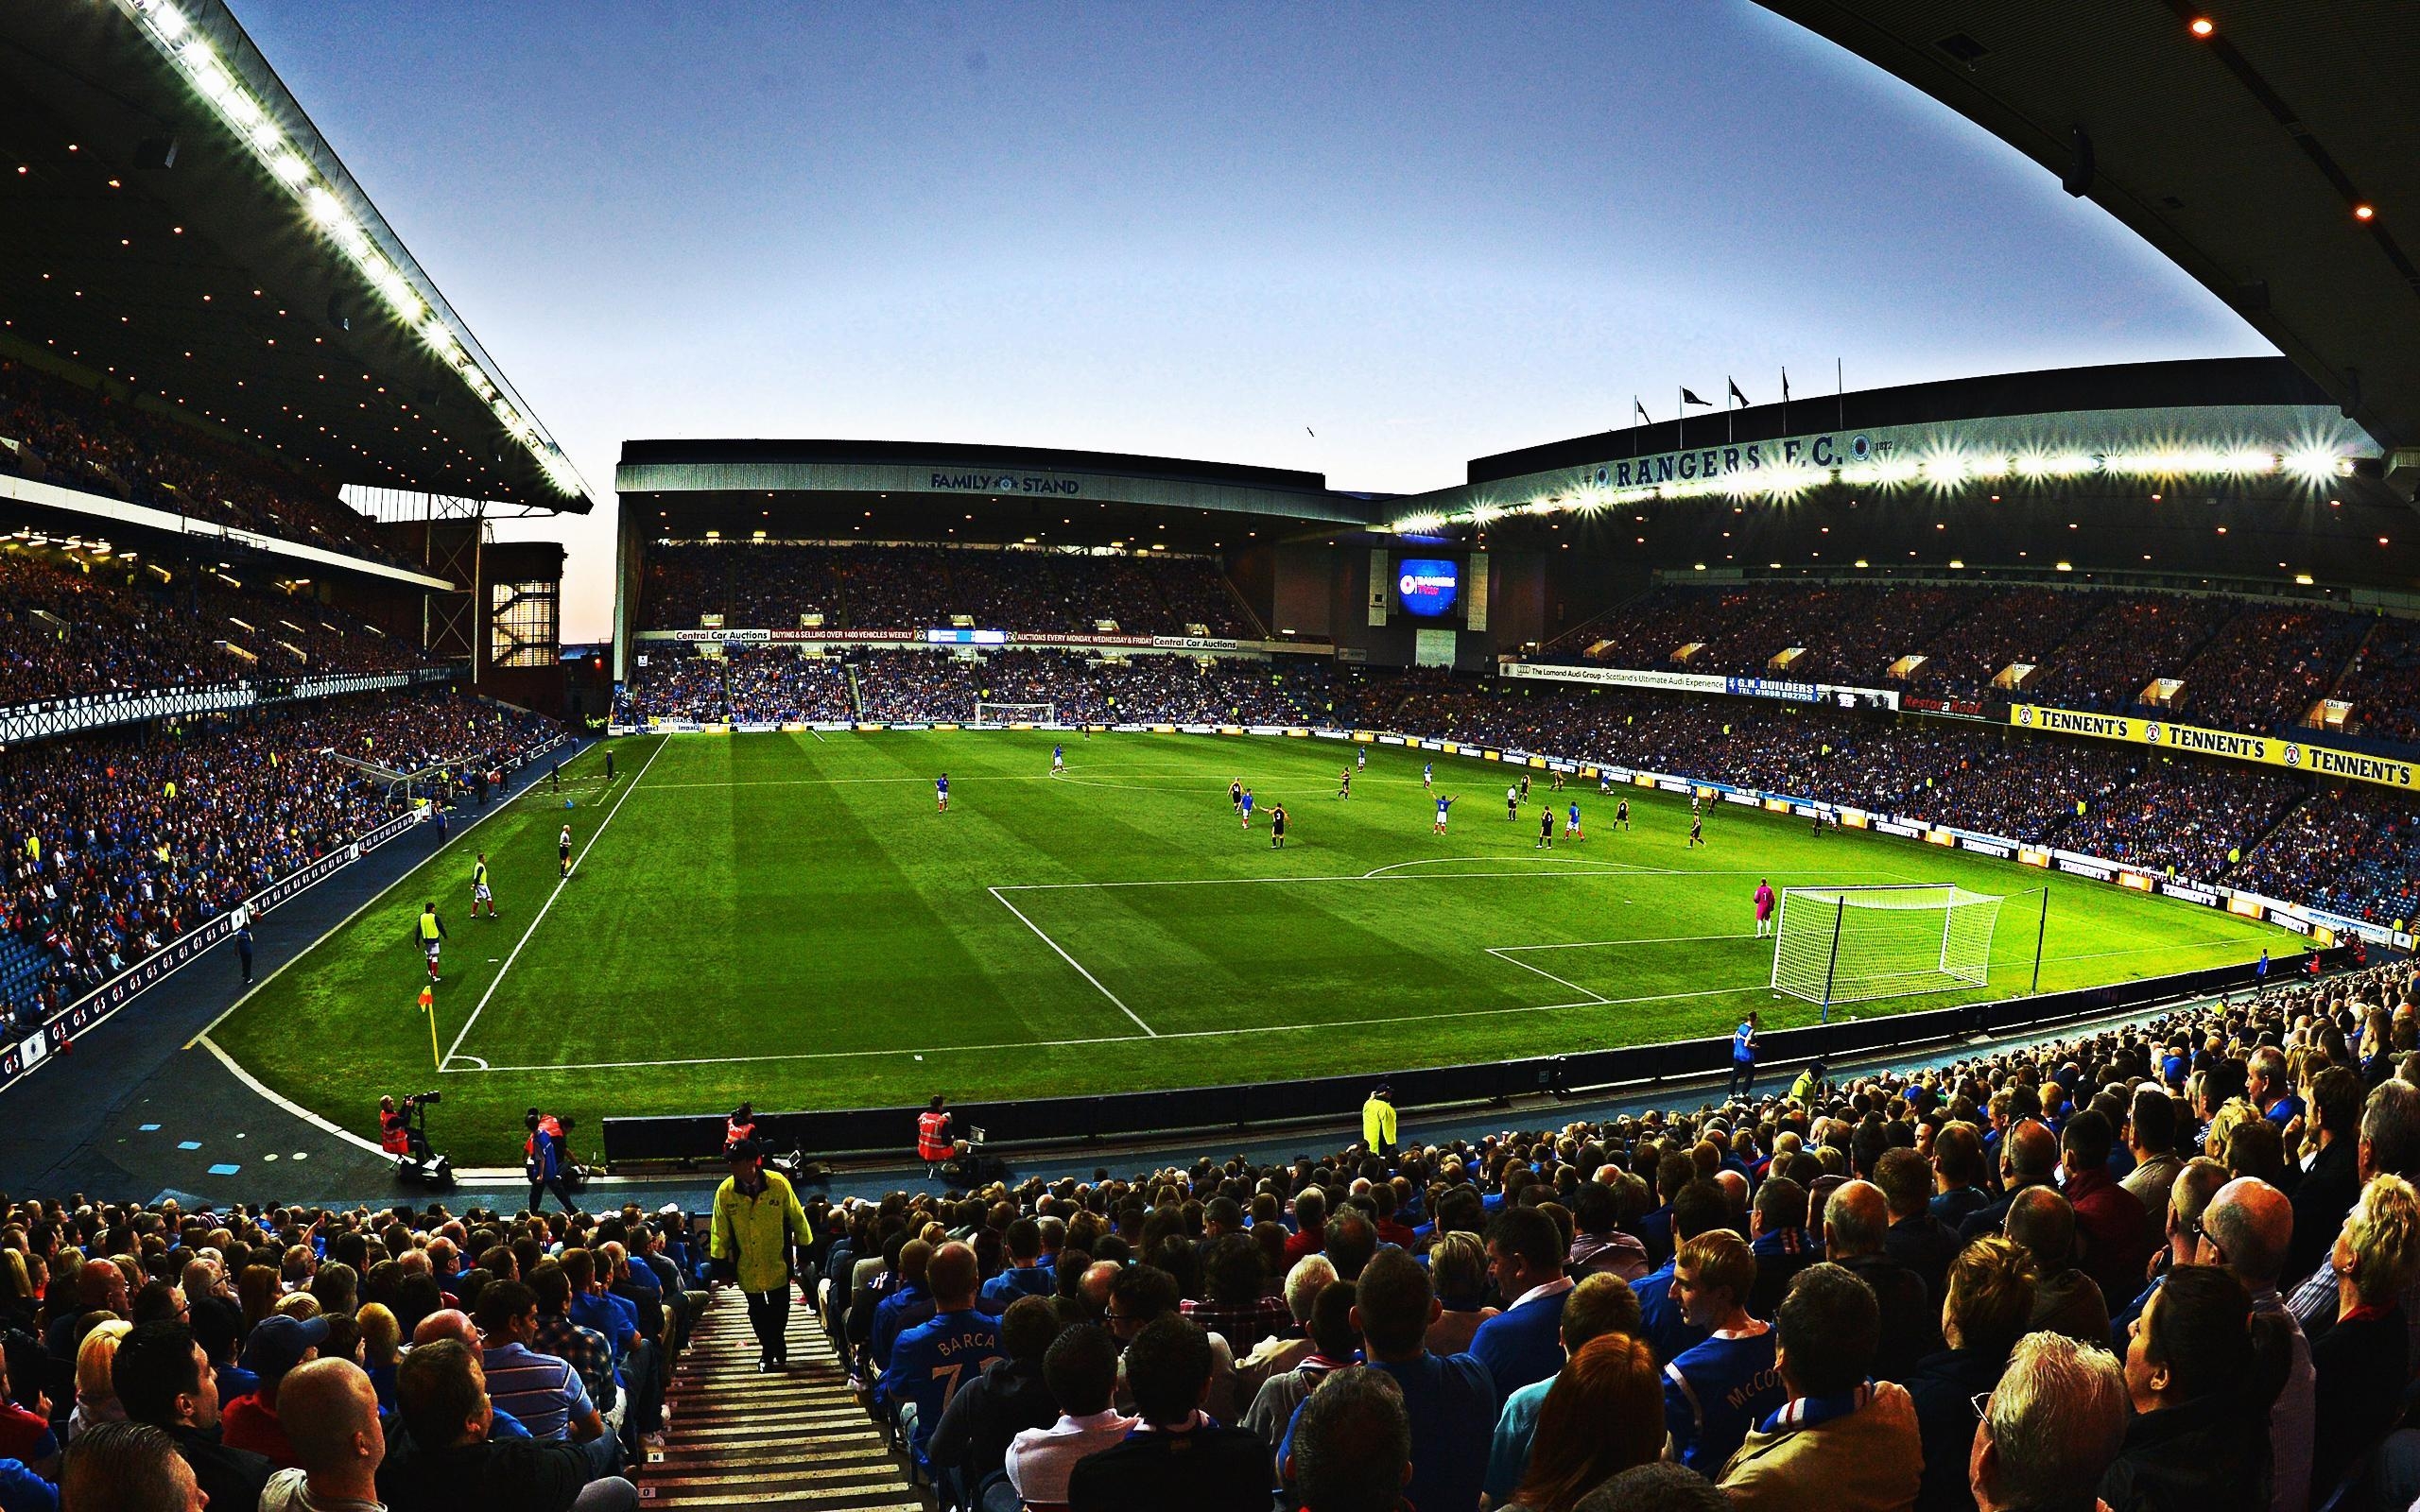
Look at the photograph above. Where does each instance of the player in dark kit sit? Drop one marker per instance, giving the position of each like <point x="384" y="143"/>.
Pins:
<point x="1345" y="783"/>
<point x="1277" y="827"/>
<point x="563" y="850"/>
<point x="1545" y="827"/>
<point x="1697" y="829"/>
<point x="1236" y="795"/>
<point x="1621" y="813"/>
<point x="1524" y="787"/>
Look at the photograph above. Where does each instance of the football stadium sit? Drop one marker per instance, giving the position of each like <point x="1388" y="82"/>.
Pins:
<point x="1847" y="948"/>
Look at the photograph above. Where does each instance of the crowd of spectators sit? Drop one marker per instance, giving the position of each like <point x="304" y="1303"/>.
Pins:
<point x="2164" y="1265"/>
<point x="112" y="847"/>
<point x="2352" y="850"/>
<point x="757" y="585"/>
<point x="2243" y="666"/>
<point x="293" y="1359"/>
<point x="54" y="431"/>
<point x="69" y="626"/>
<point x="2383" y="685"/>
<point x="745" y="685"/>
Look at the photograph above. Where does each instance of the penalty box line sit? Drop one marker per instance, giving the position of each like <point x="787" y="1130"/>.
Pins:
<point x="446" y="1063"/>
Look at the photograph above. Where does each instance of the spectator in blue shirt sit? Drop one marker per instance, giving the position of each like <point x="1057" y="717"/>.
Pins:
<point x="1451" y="1402"/>
<point x="541" y="1392"/>
<point x="1600" y="1305"/>
<point x="1524" y="1343"/>
<point x="1025" y="1274"/>
<point x="1716" y="1391"/>
<point x="1701" y="1207"/>
<point x="909" y="1303"/>
<point x="936" y="1357"/>
<point x="1778" y="1238"/>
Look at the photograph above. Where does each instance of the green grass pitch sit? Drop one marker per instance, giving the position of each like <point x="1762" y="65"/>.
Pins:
<point x="787" y="919"/>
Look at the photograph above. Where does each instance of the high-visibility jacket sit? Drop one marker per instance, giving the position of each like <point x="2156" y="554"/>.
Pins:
<point x="1378" y="1123"/>
<point x="431" y="927"/>
<point x="754" y="1232"/>
<point x="932" y="1137"/>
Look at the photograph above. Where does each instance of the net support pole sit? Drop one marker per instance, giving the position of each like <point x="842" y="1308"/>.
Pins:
<point x="1831" y="963"/>
<point x="2041" y="932"/>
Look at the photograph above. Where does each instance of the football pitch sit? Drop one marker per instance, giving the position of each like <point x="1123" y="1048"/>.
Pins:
<point x="787" y="919"/>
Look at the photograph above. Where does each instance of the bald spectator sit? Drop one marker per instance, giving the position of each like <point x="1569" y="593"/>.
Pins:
<point x="2248" y="1228"/>
<point x="2029" y="1158"/>
<point x="2114" y="1232"/>
<point x="2054" y="1425"/>
<point x="127" y="1467"/>
<point x="1857" y="1227"/>
<point x="330" y="1412"/>
<point x="2066" y="1300"/>
<point x="100" y="1287"/>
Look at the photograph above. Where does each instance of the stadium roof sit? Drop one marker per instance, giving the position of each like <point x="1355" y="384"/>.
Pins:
<point x="176" y="223"/>
<point x="938" y="490"/>
<point x="2236" y="469"/>
<point x="2265" y="146"/>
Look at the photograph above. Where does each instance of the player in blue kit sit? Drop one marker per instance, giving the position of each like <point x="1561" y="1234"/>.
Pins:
<point x="1058" y="761"/>
<point x="1428" y="774"/>
<point x="1571" y="824"/>
<point x="941" y="792"/>
<point x="1360" y="757"/>
<point x="1443" y="804"/>
<point x="1247" y="808"/>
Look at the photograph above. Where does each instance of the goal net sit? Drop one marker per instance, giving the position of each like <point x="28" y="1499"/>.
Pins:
<point x="1853" y="944"/>
<point x="1016" y="713"/>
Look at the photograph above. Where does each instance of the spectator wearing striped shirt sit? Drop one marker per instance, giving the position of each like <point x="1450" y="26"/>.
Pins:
<point x="542" y="1391"/>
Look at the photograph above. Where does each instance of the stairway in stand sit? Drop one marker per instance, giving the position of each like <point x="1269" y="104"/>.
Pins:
<point x="797" y="1438"/>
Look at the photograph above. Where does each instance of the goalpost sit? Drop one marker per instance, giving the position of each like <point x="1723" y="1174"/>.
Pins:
<point x="1015" y="714"/>
<point x="1855" y="944"/>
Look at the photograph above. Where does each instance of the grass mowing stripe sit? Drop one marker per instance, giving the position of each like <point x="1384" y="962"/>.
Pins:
<point x="540" y="918"/>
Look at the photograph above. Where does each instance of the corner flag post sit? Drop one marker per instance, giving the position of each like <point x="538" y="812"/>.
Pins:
<point x="428" y="1006"/>
<point x="2041" y="932"/>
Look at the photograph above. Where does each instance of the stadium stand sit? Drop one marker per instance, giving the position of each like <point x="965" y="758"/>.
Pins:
<point x="913" y="588"/>
<point x="118" y="844"/>
<point x="70" y="625"/>
<point x="52" y="431"/>
<point x="2165" y="1191"/>
<point x="2242" y="665"/>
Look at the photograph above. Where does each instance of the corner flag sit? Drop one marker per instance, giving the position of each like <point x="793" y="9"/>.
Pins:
<point x="428" y="1006"/>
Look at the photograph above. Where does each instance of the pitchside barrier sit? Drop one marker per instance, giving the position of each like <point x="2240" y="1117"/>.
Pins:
<point x="698" y="1139"/>
<point x="27" y="1050"/>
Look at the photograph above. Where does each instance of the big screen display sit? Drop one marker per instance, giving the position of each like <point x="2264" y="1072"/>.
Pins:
<point x="1428" y="586"/>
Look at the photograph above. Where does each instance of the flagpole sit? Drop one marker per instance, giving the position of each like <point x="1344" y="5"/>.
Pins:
<point x="1785" y="401"/>
<point x="1841" y="394"/>
<point x="435" y="1055"/>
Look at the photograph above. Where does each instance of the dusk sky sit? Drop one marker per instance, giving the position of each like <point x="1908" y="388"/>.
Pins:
<point x="1425" y="232"/>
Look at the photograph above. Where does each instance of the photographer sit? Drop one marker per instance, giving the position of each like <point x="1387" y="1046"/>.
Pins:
<point x="397" y="1135"/>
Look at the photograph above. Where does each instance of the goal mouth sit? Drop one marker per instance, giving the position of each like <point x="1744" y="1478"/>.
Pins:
<point x="1015" y="715"/>
<point x="1855" y="944"/>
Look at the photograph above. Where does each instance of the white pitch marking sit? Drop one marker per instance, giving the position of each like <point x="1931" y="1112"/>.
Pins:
<point x="1548" y="975"/>
<point x="1072" y="961"/>
<point x="296" y="1108"/>
<point x="540" y="917"/>
<point x="1128" y="1038"/>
